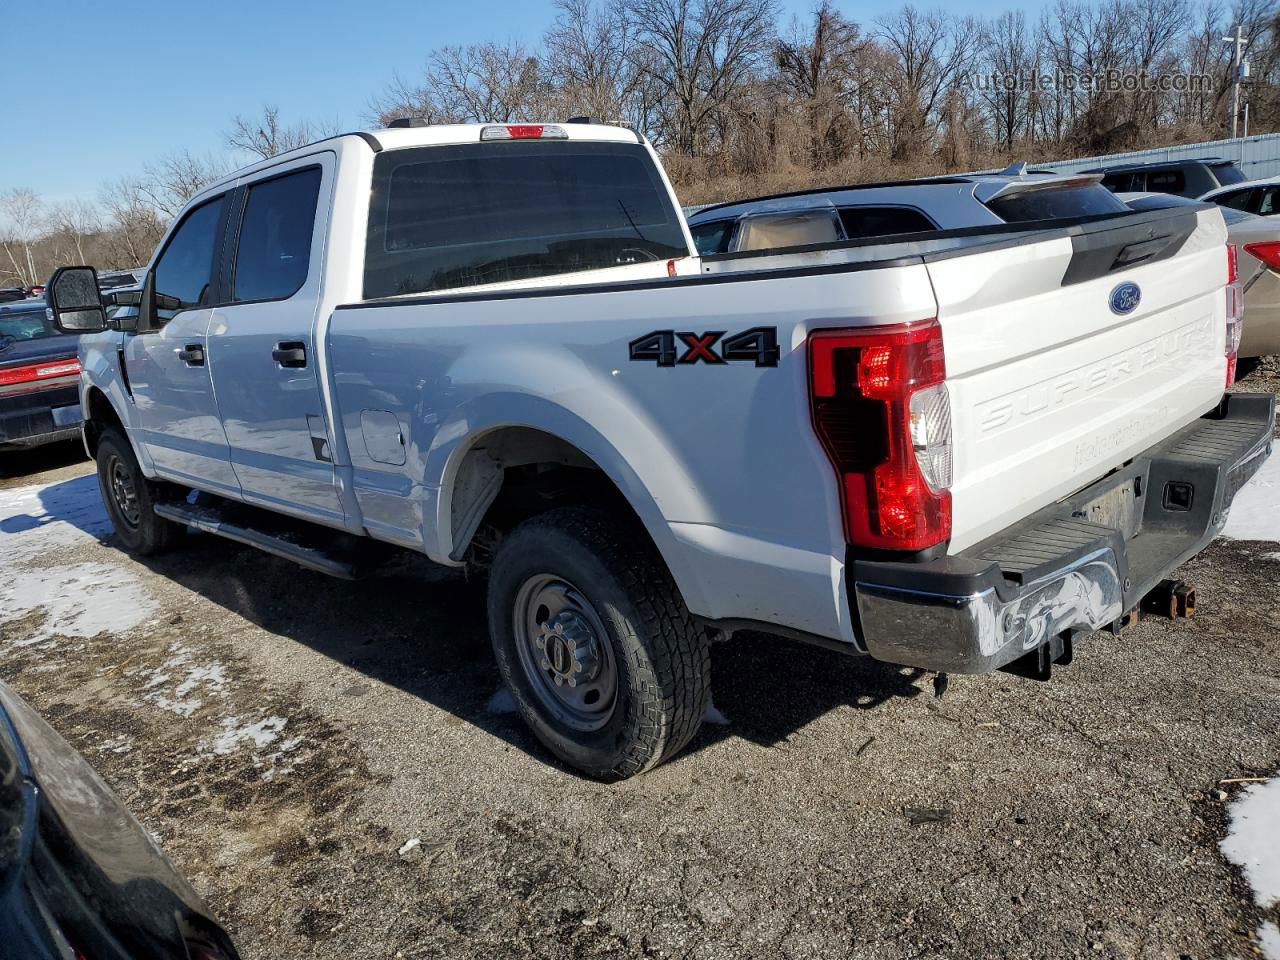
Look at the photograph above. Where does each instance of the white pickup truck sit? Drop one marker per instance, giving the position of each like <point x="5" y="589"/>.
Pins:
<point x="493" y="344"/>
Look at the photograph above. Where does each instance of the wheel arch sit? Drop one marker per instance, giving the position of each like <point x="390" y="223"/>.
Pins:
<point x="99" y="414"/>
<point x="479" y="465"/>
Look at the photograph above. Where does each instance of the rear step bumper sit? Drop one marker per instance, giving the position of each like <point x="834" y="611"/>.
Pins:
<point x="1073" y="567"/>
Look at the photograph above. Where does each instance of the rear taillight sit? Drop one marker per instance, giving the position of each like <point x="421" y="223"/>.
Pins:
<point x="1268" y="253"/>
<point x="883" y="415"/>
<point x="34" y="373"/>
<point x="523" y="131"/>
<point x="1235" y="312"/>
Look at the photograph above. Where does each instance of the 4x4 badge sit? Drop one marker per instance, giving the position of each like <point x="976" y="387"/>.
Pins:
<point x="667" y="348"/>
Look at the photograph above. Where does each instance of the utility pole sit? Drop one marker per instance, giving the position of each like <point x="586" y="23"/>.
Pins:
<point x="1238" y="71"/>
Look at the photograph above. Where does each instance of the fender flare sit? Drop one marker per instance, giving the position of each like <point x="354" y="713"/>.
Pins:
<point x="468" y="425"/>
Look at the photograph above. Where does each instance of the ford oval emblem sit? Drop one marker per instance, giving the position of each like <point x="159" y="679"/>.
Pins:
<point x="1125" y="298"/>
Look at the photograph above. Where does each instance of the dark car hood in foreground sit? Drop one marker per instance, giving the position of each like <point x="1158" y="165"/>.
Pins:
<point x="75" y="866"/>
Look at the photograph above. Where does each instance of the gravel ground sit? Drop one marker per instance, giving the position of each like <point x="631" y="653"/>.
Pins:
<point x="284" y="735"/>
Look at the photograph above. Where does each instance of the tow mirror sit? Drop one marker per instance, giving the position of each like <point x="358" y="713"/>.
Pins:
<point x="73" y="302"/>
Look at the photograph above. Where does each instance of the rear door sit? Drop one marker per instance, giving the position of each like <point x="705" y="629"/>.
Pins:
<point x="1068" y="355"/>
<point x="262" y="349"/>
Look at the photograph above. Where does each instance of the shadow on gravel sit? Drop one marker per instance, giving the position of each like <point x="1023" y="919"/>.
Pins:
<point x="19" y="462"/>
<point x="422" y="628"/>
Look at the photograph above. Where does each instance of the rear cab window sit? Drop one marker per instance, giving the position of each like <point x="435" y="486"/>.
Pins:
<point x="1227" y="173"/>
<point x="458" y="216"/>
<point x="1057" y="203"/>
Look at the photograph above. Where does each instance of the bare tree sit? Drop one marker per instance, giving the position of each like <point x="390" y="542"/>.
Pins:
<point x="819" y="68"/>
<point x="1011" y="60"/>
<point x="133" y="226"/>
<point x="23" y="218"/>
<point x="267" y="137"/>
<point x="594" y="66"/>
<point x="930" y="50"/>
<point x="73" y="225"/>
<point x="700" y="54"/>
<point x="472" y="84"/>
<point x="172" y="180"/>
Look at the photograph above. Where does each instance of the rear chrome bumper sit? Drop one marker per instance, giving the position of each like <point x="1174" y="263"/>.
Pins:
<point x="1075" y="566"/>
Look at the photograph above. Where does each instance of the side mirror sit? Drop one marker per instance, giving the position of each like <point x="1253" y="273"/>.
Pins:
<point x="73" y="302"/>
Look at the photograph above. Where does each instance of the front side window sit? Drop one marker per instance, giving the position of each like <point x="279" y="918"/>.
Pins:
<point x="274" y="249"/>
<point x="711" y="238"/>
<point x="184" y="272"/>
<point x="459" y="216"/>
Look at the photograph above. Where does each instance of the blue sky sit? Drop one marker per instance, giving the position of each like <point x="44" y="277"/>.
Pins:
<point x="95" y="100"/>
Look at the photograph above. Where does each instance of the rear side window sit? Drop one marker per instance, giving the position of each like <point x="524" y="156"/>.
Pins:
<point x="457" y="216"/>
<point x="1057" y="203"/>
<point x="1269" y="203"/>
<point x="1166" y="181"/>
<point x="883" y="221"/>
<point x="797" y="228"/>
<point x="275" y="236"/>
<point x="184" y="272"/>
<point x="1227" y="173"/>
<point x="25" y="325"/>
<point x="713" y="237"/>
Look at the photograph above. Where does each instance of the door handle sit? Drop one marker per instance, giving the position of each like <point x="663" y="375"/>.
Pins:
<point x="290" y="353"/>
<point x="192" y="355"/>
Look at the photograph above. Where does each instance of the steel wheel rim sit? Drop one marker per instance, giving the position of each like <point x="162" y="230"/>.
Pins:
<point x="565" y="652"/>
<point x="120" y="480"/>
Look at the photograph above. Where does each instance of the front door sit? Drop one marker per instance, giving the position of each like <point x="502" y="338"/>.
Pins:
<point x="169" y="375"/>
<point x="262" y="349"/>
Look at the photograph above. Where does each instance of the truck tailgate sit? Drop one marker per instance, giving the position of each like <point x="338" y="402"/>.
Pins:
<point x="1052" y="384"/>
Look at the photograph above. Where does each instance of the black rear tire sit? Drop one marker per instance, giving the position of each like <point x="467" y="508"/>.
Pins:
<point x="643" y="637"/>
<point x="130" y="498"/>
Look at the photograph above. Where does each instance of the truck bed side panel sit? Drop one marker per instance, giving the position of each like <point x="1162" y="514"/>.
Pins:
<point x="719" y="461"/>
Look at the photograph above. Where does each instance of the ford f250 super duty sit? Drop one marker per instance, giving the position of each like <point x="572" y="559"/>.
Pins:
<point x="493" y="344"/>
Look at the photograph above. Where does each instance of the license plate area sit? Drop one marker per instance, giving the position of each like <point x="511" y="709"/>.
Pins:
<point x="1119" y="506"/>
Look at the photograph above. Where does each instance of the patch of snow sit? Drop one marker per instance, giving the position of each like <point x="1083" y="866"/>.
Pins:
<point x="1269" y="940"/>
<point x="82" y="600"/>
<point x="204" y="678"/>
<point x="1255" y="512"/>
<point x="714" y="716"/>
<point x="121" y="743"/>
<point x="501" y="702"/>
<point x="1253" y="839"/>
<point x="235" y="734"/>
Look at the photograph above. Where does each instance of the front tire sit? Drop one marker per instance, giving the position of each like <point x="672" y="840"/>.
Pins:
<point x="130" y="498"/>
<point x="595" y="643"/>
